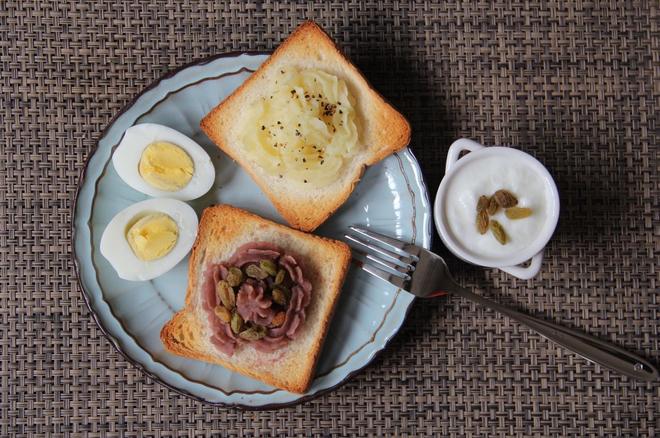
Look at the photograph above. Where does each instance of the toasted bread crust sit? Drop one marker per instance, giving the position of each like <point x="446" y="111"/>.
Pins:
<point x="225" y="225"/>
<point x="391" y="131"/>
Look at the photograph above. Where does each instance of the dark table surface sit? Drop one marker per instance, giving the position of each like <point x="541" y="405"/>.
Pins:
<point x="575" y="84"/>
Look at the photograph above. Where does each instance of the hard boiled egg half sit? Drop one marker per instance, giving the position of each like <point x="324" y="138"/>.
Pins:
<point x="147" y="239"/>
<point x="162" y="162"/>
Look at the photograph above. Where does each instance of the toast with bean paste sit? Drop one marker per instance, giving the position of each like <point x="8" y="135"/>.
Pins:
<point x="260" y="298"/>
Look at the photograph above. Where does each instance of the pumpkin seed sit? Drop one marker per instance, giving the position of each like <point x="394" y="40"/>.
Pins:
<point x="279" y="278"/>
<point x="482" y="222"/>
<point x="236" y="323"/>
<point x="493" y="206"/>
<point x="498" y="231"/>
<point x="235" y="277"/>
<point x="482" y="203"/>
<point x="253" y="333"/>
<point x="222" y="313"/>
<point x="226" y="294"/>
<point x="278" y="319"/>
<point x="505" y="198"/>
<point x="518" y="212"/>
<point x="255" y="271"/>
<point x="281" y="295"/>
<point x="269" y="267"/>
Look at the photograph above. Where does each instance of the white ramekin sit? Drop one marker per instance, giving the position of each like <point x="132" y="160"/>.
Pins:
<point x="534" y="252"/>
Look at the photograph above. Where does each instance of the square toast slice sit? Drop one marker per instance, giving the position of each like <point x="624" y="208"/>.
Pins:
<point x="325" y="262"/>
<point x="382" y="130"/>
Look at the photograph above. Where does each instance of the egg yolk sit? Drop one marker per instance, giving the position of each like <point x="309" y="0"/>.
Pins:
<point x="305" y="128"/>
<point x="153" y="236"/>
<point x="166" y="166"/>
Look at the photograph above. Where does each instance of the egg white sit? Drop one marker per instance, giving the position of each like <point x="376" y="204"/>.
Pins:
<point x="115" y="247"/>
<point x="126" y="160"/>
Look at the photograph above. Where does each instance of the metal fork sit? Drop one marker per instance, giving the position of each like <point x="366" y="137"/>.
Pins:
<point x="425" y="275"/>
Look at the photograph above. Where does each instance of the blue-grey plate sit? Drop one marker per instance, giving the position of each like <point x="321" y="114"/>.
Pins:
<point x="391" y="198"/>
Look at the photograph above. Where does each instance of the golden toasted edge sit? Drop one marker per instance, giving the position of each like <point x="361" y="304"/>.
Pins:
<point x="171" y="332"/>
<point x="395" y="130"/>
<point x="344" y="254"/>
<point x="308" y="216"/>
<point x="228" y="217"/>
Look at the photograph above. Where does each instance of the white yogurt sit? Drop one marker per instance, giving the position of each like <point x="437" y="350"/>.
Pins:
<point x="485" y="176"/>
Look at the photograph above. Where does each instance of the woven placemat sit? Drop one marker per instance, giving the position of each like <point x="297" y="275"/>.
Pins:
<point x="575" y="84"/>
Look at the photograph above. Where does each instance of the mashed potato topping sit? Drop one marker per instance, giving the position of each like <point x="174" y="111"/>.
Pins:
<point x="305" y="129"/>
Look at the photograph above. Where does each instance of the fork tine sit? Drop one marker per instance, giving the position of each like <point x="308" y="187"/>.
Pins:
<point x="390" y="278"/>
<point x="389" y="242"/>
<point x="400" y="260"/>
<point x="390" y="267"/>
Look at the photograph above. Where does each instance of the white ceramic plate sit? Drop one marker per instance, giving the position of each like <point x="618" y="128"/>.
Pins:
<point x="391" y="198"/>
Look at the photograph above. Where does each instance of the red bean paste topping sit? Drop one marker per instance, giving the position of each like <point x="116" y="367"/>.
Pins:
<point x="257" y="297"/>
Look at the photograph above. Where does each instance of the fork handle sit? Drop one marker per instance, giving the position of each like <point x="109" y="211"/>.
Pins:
<point x="587" y="346"/>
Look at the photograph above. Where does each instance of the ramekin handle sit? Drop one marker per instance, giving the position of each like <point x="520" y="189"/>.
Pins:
<point x="460" y="145"/>
<point x="527" y="272"/>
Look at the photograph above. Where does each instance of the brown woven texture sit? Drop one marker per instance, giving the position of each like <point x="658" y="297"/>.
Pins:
<point x="575" y="84"/>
